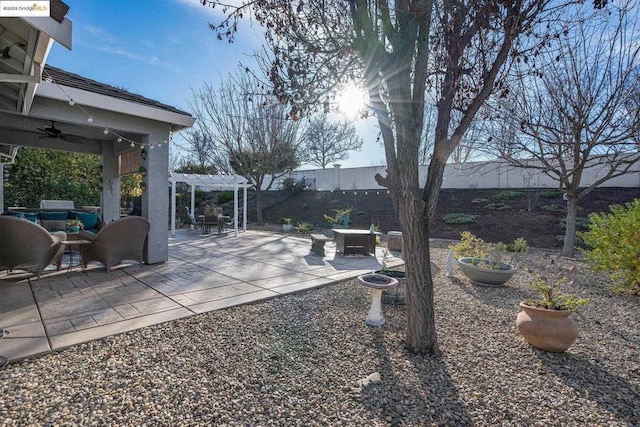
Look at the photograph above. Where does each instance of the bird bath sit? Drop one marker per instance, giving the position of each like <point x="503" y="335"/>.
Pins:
<point x="377" y="283"/>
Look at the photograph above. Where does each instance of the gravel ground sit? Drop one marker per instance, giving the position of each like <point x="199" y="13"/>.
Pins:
<point x="297" y="361"/>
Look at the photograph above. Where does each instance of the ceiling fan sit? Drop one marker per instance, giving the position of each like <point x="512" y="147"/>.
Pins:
<point x="55" y="133"/>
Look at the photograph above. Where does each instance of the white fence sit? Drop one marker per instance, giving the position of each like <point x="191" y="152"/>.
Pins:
<point x="457" y="175"/>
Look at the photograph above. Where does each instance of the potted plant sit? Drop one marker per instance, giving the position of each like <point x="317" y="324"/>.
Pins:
<point x="545" y="323"/>
<point x="73" y="225"/>
<point x="287" y="224"/>
<point x="483" y="263"/>
<point x="341" y="219"/>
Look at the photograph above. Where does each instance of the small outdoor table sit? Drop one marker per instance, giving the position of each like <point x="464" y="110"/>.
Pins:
<point x="349" y="241"/>
<point x="73" y="246"/>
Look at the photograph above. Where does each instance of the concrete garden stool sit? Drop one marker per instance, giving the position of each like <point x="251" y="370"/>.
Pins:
<point x="317" y="243"/>
<point x="377" y="283"/>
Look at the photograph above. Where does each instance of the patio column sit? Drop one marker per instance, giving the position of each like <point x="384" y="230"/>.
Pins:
<point x="155" y="199"/>
<point x="110" y="184"/>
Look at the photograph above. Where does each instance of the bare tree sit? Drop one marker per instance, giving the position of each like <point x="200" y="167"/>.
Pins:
<point x="580" y="112"/>
<point x="326" y="142"/>
<point x="400" y="50"/>
<point x="247" y="133"/>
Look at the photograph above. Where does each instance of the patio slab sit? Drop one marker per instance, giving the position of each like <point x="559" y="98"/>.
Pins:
<point x="203" y="273"/>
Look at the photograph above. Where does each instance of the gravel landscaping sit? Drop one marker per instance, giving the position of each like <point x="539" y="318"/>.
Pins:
<point x="299" y="360"/>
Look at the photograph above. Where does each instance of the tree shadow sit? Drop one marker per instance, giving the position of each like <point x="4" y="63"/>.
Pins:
<point x="431" y="393"/>
<point x="613" y="393"/>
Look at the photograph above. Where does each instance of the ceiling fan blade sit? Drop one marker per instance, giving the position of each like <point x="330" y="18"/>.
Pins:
<point x="77" y="139"/>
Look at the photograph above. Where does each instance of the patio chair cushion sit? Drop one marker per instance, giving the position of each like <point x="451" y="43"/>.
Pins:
<point x="52" y="225"/>
<point x="32" y="216"/>
<point x="28" y="246"/>
<point x="14" y="214"/>
<point x="61" y="215"/>
<point x="89" y="220"/>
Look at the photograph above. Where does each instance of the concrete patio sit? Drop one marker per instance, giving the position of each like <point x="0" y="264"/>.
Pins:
<point x="204" y="273"/>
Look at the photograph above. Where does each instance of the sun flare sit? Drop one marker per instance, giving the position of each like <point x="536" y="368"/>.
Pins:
<point x="352" y="101"/>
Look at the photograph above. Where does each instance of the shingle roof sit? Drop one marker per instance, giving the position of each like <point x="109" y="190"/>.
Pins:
<point x="64" y="78"/>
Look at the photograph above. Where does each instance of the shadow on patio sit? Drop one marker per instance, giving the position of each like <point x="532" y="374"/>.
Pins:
<point x="204" y="273"/>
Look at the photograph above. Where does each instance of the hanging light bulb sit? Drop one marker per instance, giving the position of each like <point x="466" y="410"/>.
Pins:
<point x="90" y="119"/>
<point x="133" y="144"/>
<point x="106" y="131"/>
<point x="72" y="102"/>
<point x="120" y="140"/>
<point x="48" y="79"/>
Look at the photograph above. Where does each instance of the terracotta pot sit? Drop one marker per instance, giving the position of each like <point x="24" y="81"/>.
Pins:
<point x="548" y="330"/>
<point x="485" y="276"/>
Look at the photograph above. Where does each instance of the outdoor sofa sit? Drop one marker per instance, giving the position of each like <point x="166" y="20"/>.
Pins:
<point x="55" y="220"/>
<point x="25" y="245"/>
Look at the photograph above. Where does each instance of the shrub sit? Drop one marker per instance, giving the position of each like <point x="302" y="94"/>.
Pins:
<point x="553" y="208"/>
<point x="519" y="245"/>
<point x="341" y="217"/>
<point x="508" y="195"/>
<point x="303" y="227"/>
<point x="550" y="195"/>
<point x="479" y="201"/>
<point x="460" y="218"/>
<point x="225" y="197"/>
<point x="291" y="184"/>
<point x="471" y="246"/>
<point x="498" y="206"/>
<point x="581" y="223"/>
<point x="615" y="242"/>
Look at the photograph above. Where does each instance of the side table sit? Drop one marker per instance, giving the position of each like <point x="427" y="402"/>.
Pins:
<point x="74" y="246"/>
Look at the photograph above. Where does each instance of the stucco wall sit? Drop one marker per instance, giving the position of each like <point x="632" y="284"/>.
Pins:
<point x="457" y="175"/>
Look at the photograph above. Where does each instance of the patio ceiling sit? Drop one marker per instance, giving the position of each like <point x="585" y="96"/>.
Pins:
<point x="24" y="46"/>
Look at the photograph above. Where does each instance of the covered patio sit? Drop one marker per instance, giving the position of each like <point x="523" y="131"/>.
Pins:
<point x="46" y="107"/>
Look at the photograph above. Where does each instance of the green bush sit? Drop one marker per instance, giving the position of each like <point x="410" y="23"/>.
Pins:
<point x="498" y="206"/>
<point x="550" y="194"/>
<point x="615" y="242"/>
<point x="553" y="208"/>
<point x="303" y="228"/>
<point x="479" y="201"/>
<point x="581" y="223"/>
<point x="341" y="217"/>
<point x="509" y="195"/>
<point x="470" y="246"/>
<point x="225" y="197"/>
<point x="519" y="245"/>
<point x="460" y="218"/>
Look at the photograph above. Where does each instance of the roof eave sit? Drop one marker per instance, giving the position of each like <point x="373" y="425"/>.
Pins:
<point x="64" y="93"/>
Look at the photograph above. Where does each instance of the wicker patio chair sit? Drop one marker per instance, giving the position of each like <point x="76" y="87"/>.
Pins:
<point x="120" y="240"/>
<point x="27" y="246"/>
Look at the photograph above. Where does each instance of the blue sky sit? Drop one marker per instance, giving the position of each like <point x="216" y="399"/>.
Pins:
<point x="163" y="49"/>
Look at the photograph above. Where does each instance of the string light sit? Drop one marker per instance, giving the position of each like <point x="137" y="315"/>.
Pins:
<point x="106" y="131"/>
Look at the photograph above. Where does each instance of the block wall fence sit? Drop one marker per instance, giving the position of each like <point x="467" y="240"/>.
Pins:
<point x="457" y="175"/>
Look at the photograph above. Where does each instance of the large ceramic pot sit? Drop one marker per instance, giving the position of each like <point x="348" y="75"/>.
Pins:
<point x="398" y="295"/>
<point x="548" y="330"/>
<point x="485" y="276"/>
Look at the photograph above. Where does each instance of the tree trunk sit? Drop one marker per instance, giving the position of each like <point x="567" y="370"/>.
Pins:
<point x="570" y="232"/>
<point x="421" y="328"/>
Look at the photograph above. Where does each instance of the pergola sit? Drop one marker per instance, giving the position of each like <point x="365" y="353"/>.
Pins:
<point x="211" y="182"/>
